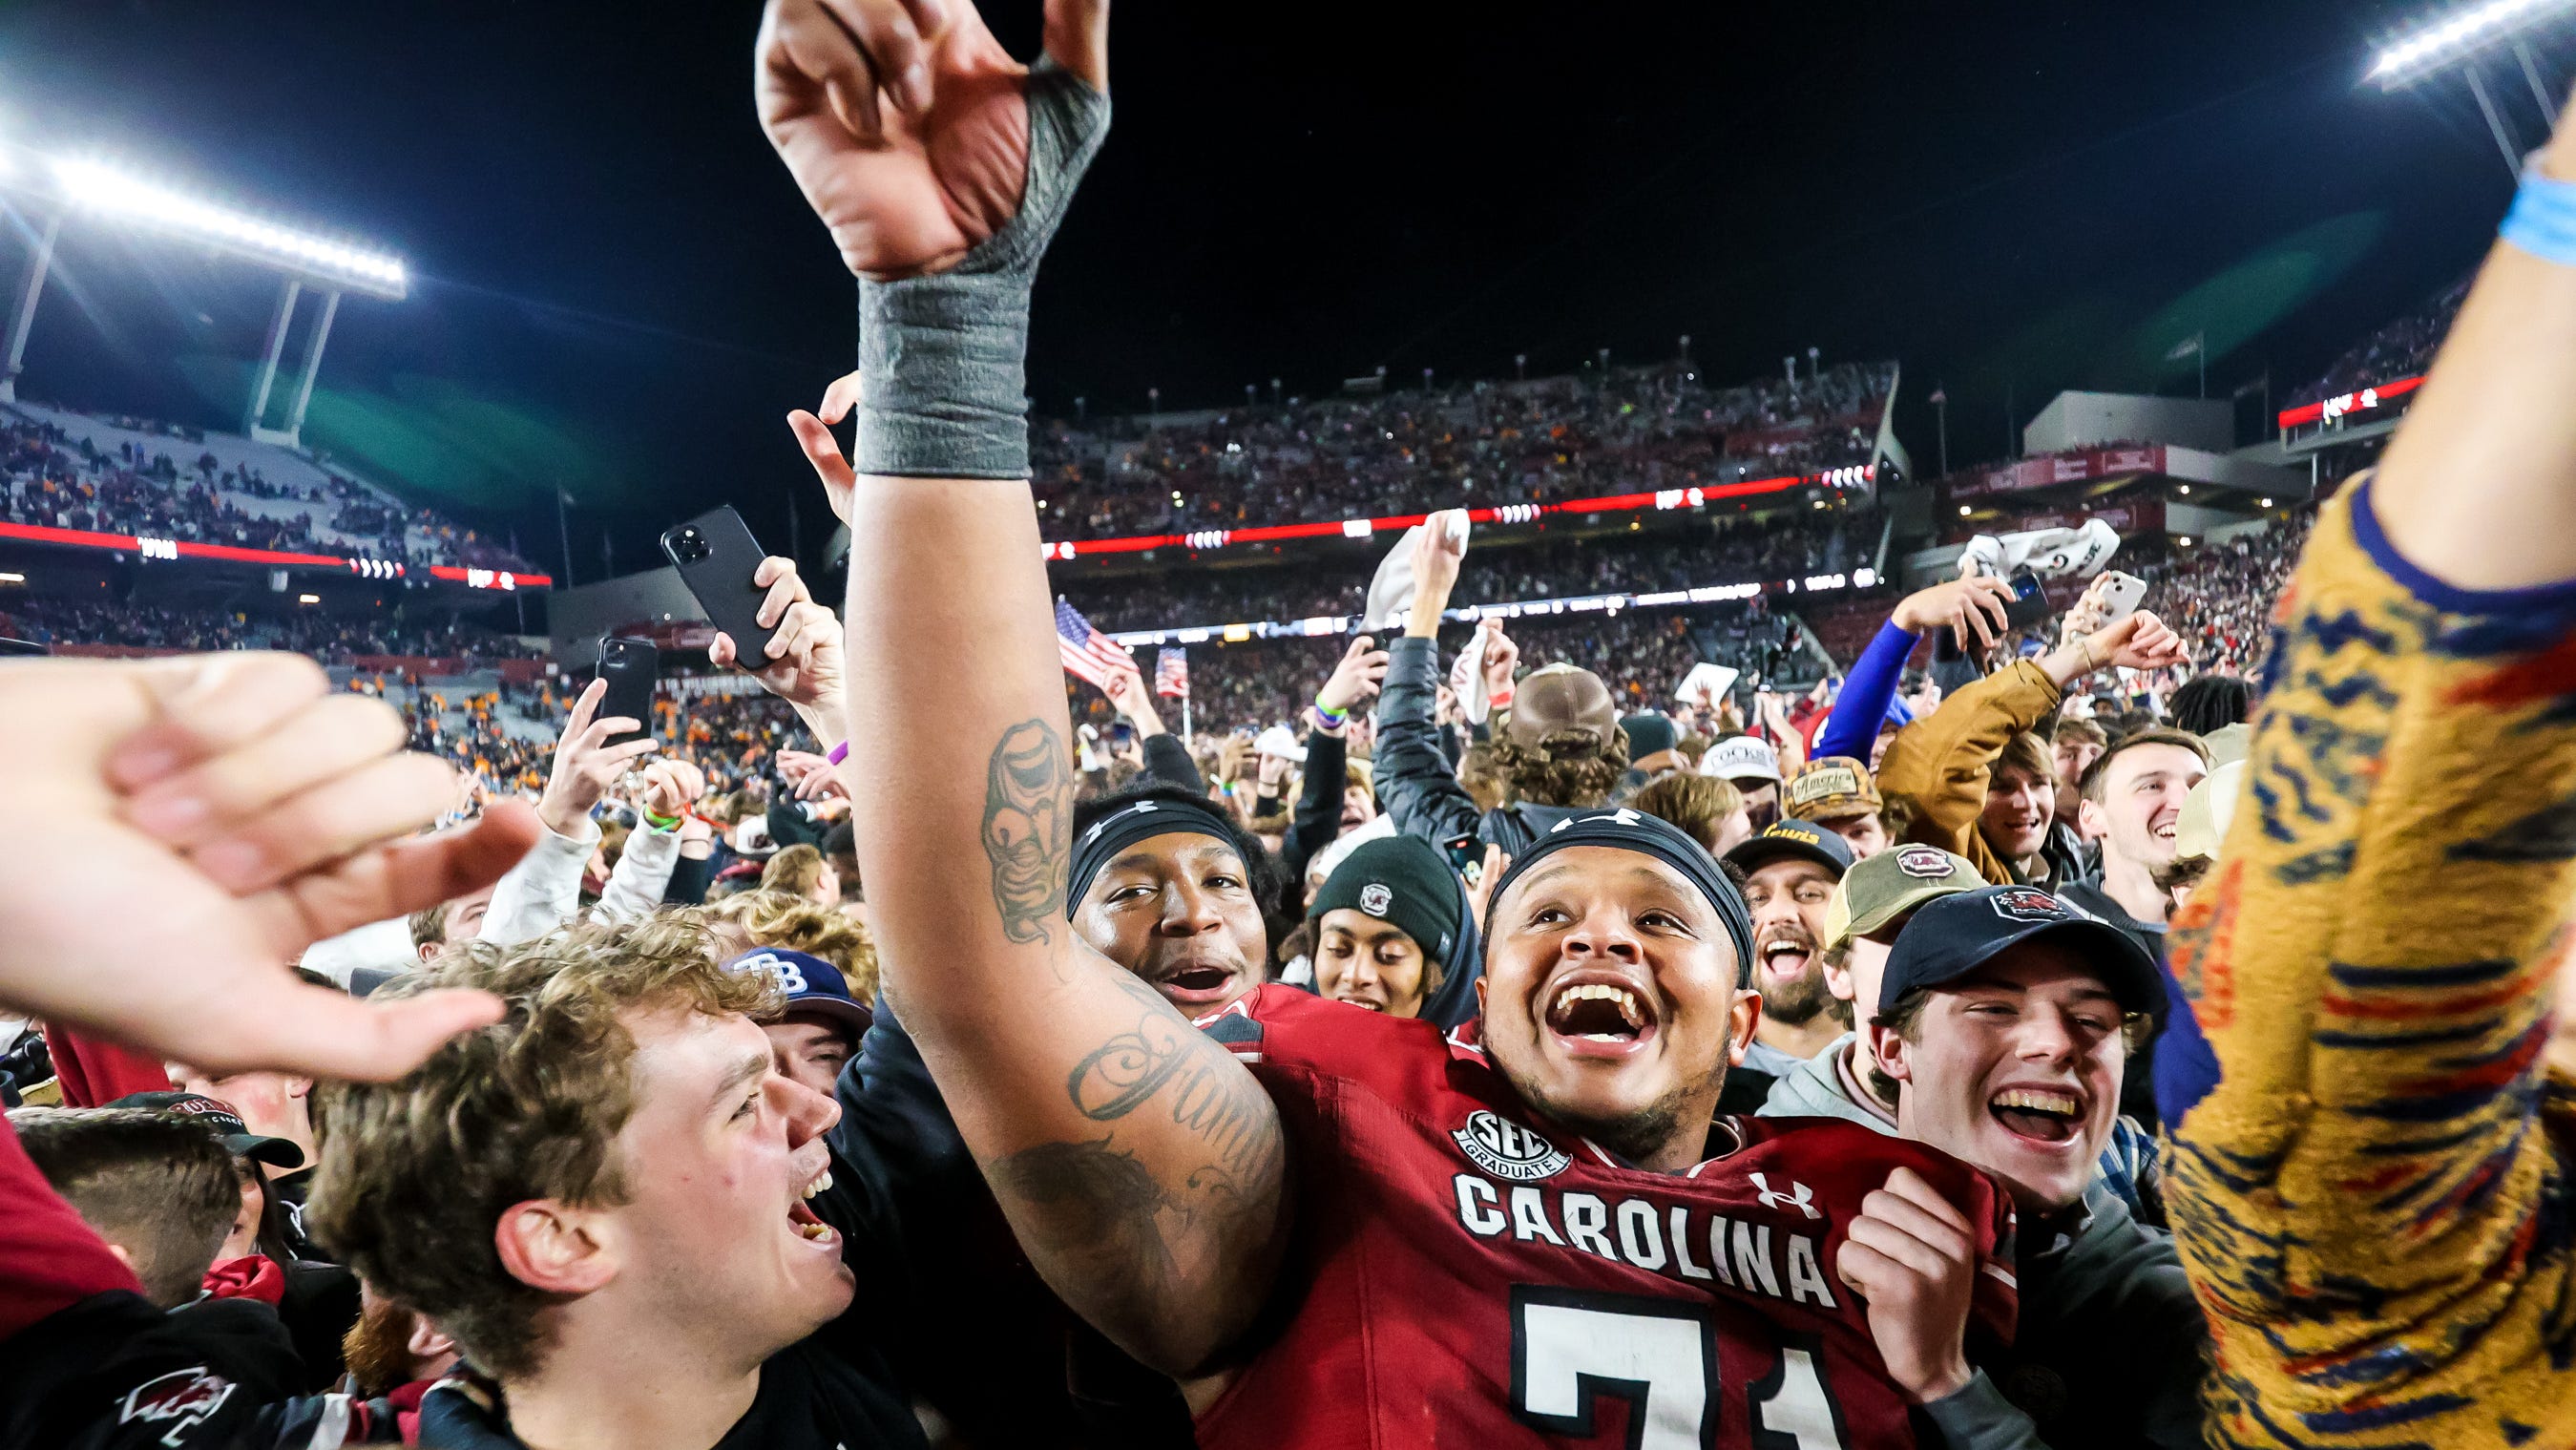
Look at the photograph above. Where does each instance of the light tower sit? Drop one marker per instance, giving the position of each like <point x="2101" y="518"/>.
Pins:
<point x="84" y="190"/>
<point x="2464" y="38"/>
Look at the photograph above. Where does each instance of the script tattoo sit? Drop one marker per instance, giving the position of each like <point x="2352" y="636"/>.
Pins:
<point x="1110" y="1232"/>
<point x="1211" y="1094"/>
<point x="1028" y="829"/>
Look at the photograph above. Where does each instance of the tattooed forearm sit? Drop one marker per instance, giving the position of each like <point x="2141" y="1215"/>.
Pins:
<point x="1028" y="829"/>
<point x="1089" y="1200"/>
<point x="1210" y="1094"/>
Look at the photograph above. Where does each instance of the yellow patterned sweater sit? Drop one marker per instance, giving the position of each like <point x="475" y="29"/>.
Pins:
<point x="2373" y="1202"/>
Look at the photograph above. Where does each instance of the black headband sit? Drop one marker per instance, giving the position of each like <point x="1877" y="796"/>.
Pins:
<point x="1629" y="830"/>
<point x="1125" y="826"/>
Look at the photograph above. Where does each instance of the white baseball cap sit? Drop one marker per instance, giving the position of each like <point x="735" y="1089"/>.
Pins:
<point x="1281" y="741"/>
<point x="1741" y="757"/>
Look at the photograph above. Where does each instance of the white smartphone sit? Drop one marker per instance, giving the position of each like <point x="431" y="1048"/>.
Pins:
<point x="2121" y="595"/>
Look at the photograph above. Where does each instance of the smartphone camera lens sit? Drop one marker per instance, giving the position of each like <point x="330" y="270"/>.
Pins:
<point x="689" y="546"/>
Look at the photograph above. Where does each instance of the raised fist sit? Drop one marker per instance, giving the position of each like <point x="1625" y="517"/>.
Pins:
<point x="905" y="123"/>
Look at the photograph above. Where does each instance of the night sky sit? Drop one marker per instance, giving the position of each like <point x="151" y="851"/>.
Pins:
<point x="618" y="289"/>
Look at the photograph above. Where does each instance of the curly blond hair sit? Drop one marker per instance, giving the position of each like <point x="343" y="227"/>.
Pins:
<point x="415" y="1174"/>
<point x="780" y="919"/>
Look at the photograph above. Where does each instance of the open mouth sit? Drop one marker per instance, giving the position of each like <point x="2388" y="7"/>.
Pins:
<point x="1597" y="1018"/>
<point x="2038" y="1115"/>
<point x="802" y="1218"/>
<point x="1785" y="958"/>
<point x="1197" y="984"/>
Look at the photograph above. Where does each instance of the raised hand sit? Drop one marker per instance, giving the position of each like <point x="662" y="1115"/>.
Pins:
<point x="671" y="787"/>
<point x="804" y="662"/>
<point x="1971" y="608"/>
<point x="586" y="765"/>
<point x="1502" y="659"/>
<point x="905" y="123"/>
<point x="1129" y="695"/>
<point x="254" y="812"/>
<point x="811" y="775"/>
<point x="2139" y="642"/>
<point x="1357" y="678"/>
<point x="1438" y="551"/>
<point x="822" y="450"/>
<point x="1913" y="1256"/>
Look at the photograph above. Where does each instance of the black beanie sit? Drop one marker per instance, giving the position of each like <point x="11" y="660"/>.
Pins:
<point x="1402" y="881"/>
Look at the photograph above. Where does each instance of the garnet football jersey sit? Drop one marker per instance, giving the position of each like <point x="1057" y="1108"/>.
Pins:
<point x="1468" y="1274"/>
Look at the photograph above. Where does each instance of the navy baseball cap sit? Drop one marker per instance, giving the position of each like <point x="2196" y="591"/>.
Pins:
<point x="218" y="1115"/>
<point x="814" y="987"/>
<point x="1789" y="836"/>
<point x="1954" y="935"/>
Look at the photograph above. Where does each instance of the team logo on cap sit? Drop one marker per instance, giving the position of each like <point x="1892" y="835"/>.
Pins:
<point x="1788" y="830"/>
<point x="1375" y="898"/>
<point x="1925" y="862"/>
<point x="2029" y="903"/>
<point x="1507" y="1150"/>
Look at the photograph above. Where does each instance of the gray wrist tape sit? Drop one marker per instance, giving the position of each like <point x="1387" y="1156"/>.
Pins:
<point x="942" y="359"/>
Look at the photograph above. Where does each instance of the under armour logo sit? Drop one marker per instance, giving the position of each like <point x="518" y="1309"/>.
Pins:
<point x="1800" y="1197"/>
<point x="1623" y="816"/>
<point x="1138" y="809"/>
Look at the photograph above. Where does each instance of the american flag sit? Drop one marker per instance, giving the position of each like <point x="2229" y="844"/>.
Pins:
<point x="1086" y="652"/>
<point x="1172" y="673"/>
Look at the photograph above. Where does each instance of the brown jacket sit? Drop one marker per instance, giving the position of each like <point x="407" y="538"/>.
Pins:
<point x="1941" y="762"/>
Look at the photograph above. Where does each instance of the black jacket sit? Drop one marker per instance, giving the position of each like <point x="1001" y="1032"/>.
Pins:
<point x="1168" y="760"/>
<point x="1319" y="806"/>
<point x="1414" y="780"/>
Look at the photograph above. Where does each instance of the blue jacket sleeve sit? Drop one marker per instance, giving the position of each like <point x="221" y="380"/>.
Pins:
<point x="1867" y="692"/>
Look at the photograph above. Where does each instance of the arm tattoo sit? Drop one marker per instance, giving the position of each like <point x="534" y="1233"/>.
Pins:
<point x="1117" y="1234"/>
<point x="1091" y="1202"/>
<point x="1212" y="1095"/>
<point x="1028" y="829"/>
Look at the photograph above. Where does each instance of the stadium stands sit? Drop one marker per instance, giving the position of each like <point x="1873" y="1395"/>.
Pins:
<point x="1480" y="444"/>
<point x="67" y="470"/>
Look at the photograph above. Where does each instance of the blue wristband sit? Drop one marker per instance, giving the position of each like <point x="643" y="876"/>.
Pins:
<point x="2543" y="219"/>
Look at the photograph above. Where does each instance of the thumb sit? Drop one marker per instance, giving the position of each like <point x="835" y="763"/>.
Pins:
<point x="1077" y="35"/>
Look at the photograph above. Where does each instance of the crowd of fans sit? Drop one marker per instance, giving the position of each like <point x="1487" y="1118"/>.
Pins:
<point x="1481" y="444"/>
<point x="50" y="478"/>
<point x="1519" y="1039"/>
<point x="1725" y="551"/>
<point x="332" y="639"/>
<point x="2402" y="349"/>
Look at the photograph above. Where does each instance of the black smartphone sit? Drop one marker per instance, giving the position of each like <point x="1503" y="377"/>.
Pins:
<point x="1466" y="856"/>
<point x="629" y="666"/>
<point x="2029" y="604"/>
<point x="716" y="556"/>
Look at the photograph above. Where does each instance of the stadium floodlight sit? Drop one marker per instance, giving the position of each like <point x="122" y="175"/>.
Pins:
<point x="2467" y="30"/>
<point x="98" y="187"/>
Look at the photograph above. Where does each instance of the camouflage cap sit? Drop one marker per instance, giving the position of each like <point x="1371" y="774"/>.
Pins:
<point x="1831" y="786"/>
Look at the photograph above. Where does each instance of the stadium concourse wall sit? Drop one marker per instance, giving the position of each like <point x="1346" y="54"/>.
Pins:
<point x="653" y="604"/>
